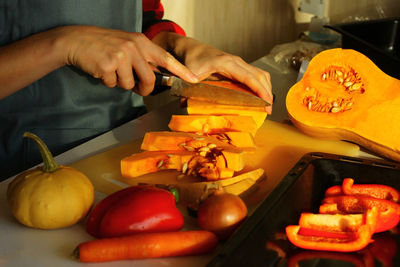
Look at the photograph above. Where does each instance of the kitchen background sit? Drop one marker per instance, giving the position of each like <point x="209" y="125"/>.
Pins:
<point x="251" y="28"/>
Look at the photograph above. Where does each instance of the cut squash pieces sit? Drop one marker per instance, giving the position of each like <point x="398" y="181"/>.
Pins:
<point x="164" y="140"/>
<point x="153" y="161"/>
<point x="216" y="164"/>
<point x="197" y="107"/>
<point x="210" y="143"/>
<point x="209" y="124"/>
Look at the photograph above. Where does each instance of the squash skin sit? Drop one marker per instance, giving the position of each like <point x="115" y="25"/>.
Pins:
<point x="374" y="118"/>
<point x="50" y="200"/>
<point x="50" y="196"/>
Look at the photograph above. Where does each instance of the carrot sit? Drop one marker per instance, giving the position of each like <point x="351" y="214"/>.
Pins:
<point x="147" y="245"/>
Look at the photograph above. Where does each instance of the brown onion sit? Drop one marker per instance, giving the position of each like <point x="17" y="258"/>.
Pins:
<point x="221" y="214"/>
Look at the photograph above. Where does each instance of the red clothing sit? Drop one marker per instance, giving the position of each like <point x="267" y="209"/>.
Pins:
<point x="153" y="11"/>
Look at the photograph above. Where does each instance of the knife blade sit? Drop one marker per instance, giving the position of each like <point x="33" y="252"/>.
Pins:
<point x="205" y="92"/>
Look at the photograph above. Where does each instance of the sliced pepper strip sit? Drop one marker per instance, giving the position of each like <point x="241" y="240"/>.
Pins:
<point x="350" y="243"/>
<point x="328" y="234"/>
<point x="388" y="211"/>
<point x="332" y="222"/>
<point x="373" y="190"/>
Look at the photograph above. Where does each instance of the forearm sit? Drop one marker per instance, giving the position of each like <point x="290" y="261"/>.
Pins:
<point x="29" y="59"/>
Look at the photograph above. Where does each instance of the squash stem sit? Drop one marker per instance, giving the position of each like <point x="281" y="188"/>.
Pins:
<point x="49" y="163"/>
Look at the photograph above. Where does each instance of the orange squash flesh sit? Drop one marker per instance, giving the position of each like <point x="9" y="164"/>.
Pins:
<point x="243" y="140"/>
<point x="197" y="107"/>
<point x="153" y="161"/>
<point x="344" y="96"/>
<point x="209" y="124"/>
<point x="164" y="140"/>
<point x="218" y="164"/>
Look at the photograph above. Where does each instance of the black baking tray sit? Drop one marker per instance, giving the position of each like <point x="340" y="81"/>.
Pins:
<point x="377" y="39"/>
<point x="260" y="241"/>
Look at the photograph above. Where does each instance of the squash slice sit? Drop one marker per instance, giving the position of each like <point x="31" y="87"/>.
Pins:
<point x="209" y="124"/>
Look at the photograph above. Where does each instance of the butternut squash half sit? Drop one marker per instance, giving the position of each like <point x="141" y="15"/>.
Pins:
<point x="344" y="96"/>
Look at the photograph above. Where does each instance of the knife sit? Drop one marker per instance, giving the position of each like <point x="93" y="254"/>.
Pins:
<point x="205" y="92"/>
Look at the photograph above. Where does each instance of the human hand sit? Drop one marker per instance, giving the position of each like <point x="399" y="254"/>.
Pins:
<point x="206" y="61"/>
<point x="112" y="55"/>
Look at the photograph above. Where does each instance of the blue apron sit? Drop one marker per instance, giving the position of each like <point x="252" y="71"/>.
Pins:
<point x="66" y="107"/>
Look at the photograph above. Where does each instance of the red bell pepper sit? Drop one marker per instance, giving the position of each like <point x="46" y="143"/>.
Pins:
<point x="388" y="211"/>
<point x="136" y="209"/>
<point x="373" y="190"/>
<point x="346" y="242"/>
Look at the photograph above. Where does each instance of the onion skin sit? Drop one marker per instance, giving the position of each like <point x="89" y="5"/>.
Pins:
<point x="221" y="214"/>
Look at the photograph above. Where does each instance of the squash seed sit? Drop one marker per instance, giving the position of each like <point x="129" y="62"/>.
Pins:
<point x="189" y="148"/>
<point x="348" y="84"/>
<point x="212" y="145"/>
<point x="356" y="86"/>
<point x="184" y="167"/>
<point x="204" y="148"/>
<point x="160" y="163"/>
<point x="203" y="153"/>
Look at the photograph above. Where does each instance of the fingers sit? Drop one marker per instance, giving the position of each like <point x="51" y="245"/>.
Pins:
<point x="124" y="75"/>
<point x="235" y="68"/>
<point x="144" y="55"/>
<point x="112" y="56"/>
<point x="153" y="55"/>
<point x="167" y="61"/>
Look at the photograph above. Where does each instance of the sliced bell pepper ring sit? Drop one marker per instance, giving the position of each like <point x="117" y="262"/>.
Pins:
<point x="388" y="211"/>
<point x="373" y="190"/>
<point x="349" y="242"/>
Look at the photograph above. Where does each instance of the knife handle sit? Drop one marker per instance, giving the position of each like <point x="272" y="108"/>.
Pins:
<point x="160" y="85"/>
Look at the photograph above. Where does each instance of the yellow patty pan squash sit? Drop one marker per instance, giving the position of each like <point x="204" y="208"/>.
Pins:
<point x="51" y="196"/>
